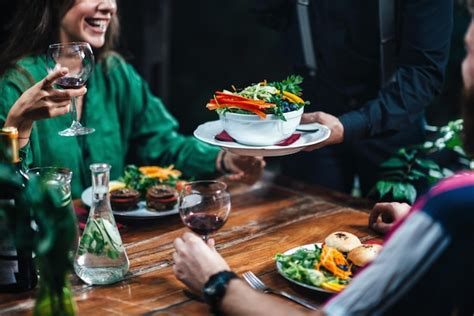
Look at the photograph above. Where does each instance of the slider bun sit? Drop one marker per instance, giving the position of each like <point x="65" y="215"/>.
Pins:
<point x="342" y="241"/>
<point x="364" y="254"/>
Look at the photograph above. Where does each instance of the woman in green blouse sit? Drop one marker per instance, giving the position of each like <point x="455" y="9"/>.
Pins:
<point x="131" y="124"/>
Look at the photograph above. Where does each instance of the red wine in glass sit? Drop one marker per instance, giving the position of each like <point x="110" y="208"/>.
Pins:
<point x="70" y="82"/>
<point x="204" y="206"/>
<point x="203" y="224"/>
<point x="78" y="58"/>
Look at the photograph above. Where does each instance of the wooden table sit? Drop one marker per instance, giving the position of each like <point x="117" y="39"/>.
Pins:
<point x="272" y="216"/>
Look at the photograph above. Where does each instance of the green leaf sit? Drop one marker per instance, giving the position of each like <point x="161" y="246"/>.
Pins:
<point x="290" y="84"/>
<point x="409" y="154"/>
<point x="399" y="191"/>
<point x="416" y="174"/>
<point x="410" y="193"/>
<point x="428" y="164"/>
<point x="394" y="163"/>
<point x="383" y="187"/>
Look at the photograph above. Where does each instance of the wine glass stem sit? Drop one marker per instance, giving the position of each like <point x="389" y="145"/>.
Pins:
<point x="74" y="110"/>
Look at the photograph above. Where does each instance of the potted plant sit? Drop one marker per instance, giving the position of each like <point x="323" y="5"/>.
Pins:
<point x="412" y="169"/>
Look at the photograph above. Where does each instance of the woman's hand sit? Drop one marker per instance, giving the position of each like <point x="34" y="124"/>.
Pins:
<point x="242" y="168"/>
<point x="384" y="215"/>
<point x="195" y="262"/>
<point x="39" y="102"/>
<point x="334" y="124"/>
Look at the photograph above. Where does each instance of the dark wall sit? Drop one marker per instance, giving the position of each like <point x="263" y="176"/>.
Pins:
<point x="214" y="44"/>
<point x="189" y="49"/>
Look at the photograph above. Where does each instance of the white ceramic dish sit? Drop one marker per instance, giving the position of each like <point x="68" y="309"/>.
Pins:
<point x="291" y="251"/>
<point x="207" y="132"/>
<point x="141" y="212"/>
<point x="251" y="130"/>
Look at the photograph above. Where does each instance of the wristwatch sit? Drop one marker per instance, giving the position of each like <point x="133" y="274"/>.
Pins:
<point x="215" y="288"/>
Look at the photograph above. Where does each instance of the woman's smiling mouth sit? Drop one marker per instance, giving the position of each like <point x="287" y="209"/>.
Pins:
<point x="97" y="25"/>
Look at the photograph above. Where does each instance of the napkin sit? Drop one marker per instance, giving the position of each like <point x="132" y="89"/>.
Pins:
<point x="82" y="214"/>
<point x="224" y="137"/>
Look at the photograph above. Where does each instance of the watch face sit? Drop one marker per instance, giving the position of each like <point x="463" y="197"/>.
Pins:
<point x="209" y="291"/>
<point x="215" y="288"/>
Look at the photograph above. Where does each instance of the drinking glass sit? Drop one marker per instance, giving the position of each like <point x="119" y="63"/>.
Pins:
<point x="79" y="59"/>
<point x="204" y="206"/>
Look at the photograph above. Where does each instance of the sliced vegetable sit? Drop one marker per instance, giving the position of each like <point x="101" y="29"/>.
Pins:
<point x="261" y="99"/>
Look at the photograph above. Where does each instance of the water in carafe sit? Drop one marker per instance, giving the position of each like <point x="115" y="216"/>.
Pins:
<point x="101" y="256"/>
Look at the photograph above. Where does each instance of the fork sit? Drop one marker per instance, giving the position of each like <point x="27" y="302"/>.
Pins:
<point x="258" y="285"/>
<point x="307" y="130"/>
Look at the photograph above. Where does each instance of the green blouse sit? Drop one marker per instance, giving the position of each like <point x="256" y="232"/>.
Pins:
<point x="132" y="126"/>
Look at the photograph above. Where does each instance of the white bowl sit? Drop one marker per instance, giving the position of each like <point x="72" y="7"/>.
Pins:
<point x="249" y="129"/>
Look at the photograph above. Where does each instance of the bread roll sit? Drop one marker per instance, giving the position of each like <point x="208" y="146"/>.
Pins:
<point x="364" y="254"/>
<point x="342" y="241"/>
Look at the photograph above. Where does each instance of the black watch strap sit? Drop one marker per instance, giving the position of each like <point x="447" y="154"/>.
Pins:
<point x="215" y="288"/>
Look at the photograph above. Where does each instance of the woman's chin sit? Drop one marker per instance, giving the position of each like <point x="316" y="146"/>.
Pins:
<point x="95" y="42"/>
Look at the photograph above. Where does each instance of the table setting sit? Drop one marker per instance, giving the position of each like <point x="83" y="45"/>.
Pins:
<point x="254" y="226"/>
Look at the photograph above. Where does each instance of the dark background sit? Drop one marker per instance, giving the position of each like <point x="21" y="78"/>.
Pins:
<point x="188" y="49"/>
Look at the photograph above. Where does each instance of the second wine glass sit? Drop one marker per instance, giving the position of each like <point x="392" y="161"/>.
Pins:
<point x="79" y="60"/>
<point x="204" y="206"/>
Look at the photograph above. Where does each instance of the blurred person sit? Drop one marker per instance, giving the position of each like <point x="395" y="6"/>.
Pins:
<point x="425" y="267"/>
<point x="131" y="125"/>
<point x="369" y="77"/>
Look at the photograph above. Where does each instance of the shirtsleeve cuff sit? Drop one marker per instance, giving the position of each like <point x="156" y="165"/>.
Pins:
<point x="355" y="126"/>
<point x="25" y="156"/>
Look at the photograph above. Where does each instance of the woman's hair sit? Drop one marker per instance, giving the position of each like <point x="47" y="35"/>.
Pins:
<point x="35" y="25"/>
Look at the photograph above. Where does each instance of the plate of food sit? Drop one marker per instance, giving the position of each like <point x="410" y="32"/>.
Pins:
<point x="262" y="119"/>
<point x="143" y="192"/>
<point x="326" y="267"/>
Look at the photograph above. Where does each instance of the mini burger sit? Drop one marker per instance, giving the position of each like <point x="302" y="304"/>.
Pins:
<point x="161" y="198"/>
<point x="124" y="199"/>
<point x="364" y="254"/>
<point x="342" y="241"/>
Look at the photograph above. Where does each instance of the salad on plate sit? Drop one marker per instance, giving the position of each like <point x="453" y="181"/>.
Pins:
<point x="262" y="98"/>
<point x="329" y="266"/>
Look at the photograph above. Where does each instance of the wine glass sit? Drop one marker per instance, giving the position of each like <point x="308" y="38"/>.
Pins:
<point x="204" y="206"/>
<point x="79" y="59"/>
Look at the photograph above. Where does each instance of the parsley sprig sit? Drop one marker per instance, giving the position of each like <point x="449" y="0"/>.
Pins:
<point x="290" y="84"/>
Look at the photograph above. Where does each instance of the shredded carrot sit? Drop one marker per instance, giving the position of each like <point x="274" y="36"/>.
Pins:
<point x="331" y="259"/>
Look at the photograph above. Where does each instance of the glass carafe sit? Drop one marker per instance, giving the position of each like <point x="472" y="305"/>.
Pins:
<point x="101" y="256"/>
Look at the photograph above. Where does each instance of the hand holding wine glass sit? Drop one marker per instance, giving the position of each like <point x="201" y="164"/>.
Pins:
<point x="79" y="60"/>
<point x="204" y="206"/>
<point x="41" y="101"/>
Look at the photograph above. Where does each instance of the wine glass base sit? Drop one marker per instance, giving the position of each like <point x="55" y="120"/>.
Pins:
<point x="75" y="130"/>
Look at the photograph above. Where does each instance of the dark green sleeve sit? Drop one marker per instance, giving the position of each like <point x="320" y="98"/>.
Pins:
<point x="11" y="88"/>
<point x="153" y="132"/>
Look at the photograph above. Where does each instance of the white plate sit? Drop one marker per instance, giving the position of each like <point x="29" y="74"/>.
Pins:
<point x="291" y="251"/>
<point x="141" y="212"/>
<point x="206" y="132"/>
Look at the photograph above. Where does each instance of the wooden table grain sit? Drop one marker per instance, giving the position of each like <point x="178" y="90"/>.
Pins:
<point x="272" y="216"/>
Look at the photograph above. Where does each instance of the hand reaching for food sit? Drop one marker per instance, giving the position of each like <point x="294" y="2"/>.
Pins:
<point x="242" y="168"/>
<point x="384" y="215"/>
